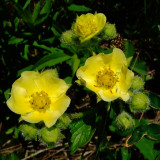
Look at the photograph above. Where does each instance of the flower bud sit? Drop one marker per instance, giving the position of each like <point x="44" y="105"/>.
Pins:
<point x="68" y="37"/>
<point x="110" y="30"/>
<point x="124" y="120"/>
<point x="49" y="135"/>
<point x="29" y="131"/>
<point x="137" y="83"/>
<point x="63" y="121"/>
<point x="139" y="102"/>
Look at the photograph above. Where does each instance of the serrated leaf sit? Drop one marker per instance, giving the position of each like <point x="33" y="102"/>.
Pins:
<point x="51" y="60"/>
<point x="129" y="49"/>
<point x="154" y="100"/>
<point x="81" y="134"/>
<point x="146" y="147"/>
<point x="78" y="8"/>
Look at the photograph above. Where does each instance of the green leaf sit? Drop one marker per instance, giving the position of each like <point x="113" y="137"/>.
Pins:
<point x="129" y="49"/>
<point x="78" y="8"/>
<point x="51" y="60"/>
<point x="159" y="27"/>
<point x="55" y="32"/>
<point x="75" y="65"/>
<point x="12" y="156"/>
<point x="44" y="13"/>
<point x="10" y="130"/>
<point x="26" y="51"/>
<point x="14" y="40"/>
<point x="137" y="134"/>
<point x="154" y="100"/>
<point x="36" y="12"/>
<point x="16" y="23"/>
<point x="153" y="131"/>
<point x="26" y="4"/>
<point x="81" y="134"/>
<point x="68" y="80"/>
<point x="24" y="14"/>
<point x="7" y="93"/>
<point x="125" y="154"/>
<point x="46" y="8"/>
<point x="105" y="51"/>
<point x="50" y="49"/>
<point x="2" y="157"/>
<point x="140" y="67"/>
<point x="146" y="147"/>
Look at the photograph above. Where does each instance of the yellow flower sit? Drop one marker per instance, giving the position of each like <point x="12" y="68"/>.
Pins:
<point x="89" y="25"/>
<point x="39" y="97"/>
<point x="107" y="75"/>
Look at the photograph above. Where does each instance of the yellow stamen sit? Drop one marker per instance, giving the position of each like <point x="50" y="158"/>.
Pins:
<point x="40" y="101"/>
<point x="106" y="78"/>
<point x="87" y="28"/>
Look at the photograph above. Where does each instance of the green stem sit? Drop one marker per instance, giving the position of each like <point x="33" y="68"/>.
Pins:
<point x="102" y="128"/>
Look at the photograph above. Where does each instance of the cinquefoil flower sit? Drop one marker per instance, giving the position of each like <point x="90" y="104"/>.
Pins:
<point x="39" y="97"/>
<point x="107" y="75"/>
<point x="89" y="25"/>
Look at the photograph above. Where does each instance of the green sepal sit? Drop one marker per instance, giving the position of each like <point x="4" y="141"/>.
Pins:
<point x="29" y="131"/>
<point x="49" y="135"/>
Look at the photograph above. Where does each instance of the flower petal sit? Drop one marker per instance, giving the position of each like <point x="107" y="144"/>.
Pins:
<point x="19" y="100"/>
<point x="61" y="104"/>
<point x="27" y="81"/>
<point x="51" y="115"/>
<point x="118" y="60"/>
<point x="33" y="117"/>
<point x="53" y="86"/>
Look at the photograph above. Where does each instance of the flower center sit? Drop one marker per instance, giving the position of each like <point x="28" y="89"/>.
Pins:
<point x="106" y="78"/>
<point x="40" y="101"/>
<point x="87" y="28"/>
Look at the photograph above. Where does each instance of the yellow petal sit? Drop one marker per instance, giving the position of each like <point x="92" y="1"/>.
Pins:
<point x="58" y="107"/>
<point x="19" y="100"/>
<point x="118" y="60"/>
<point x="54" y="87"/>
<point x="101" y="20"/>
<point x="107" y="95"/>
<point x="27" y="81"/>
<point x="50" y="73"/>
<point x="33" y="117"/>
<point x="60" y="104"/>
<point x="125" y="81"/>
<point x="89" y="71"/>
<point x="89" y="25"/>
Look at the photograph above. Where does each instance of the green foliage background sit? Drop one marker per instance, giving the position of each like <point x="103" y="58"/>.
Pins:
<point x="30" y="40"/>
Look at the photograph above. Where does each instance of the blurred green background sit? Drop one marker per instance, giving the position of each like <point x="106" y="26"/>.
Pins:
<point x="31" y="30"/>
